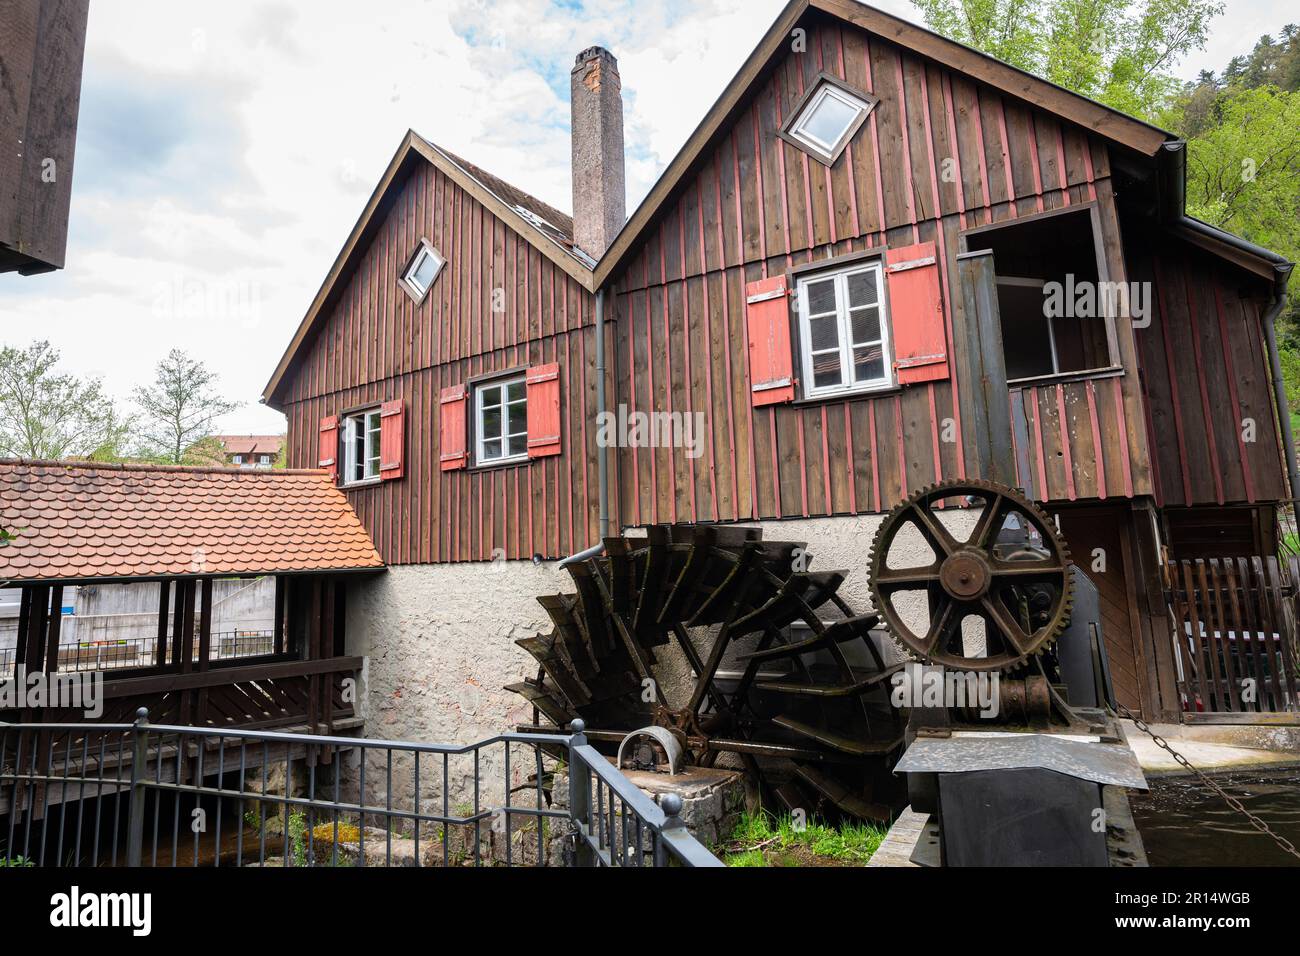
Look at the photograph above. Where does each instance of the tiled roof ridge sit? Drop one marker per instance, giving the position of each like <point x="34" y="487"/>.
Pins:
<point x="147" y="467"/>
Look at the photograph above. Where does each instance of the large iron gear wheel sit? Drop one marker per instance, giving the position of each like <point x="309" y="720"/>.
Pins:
<point x="1023" y="598"/>
<point x="781" y="673"/>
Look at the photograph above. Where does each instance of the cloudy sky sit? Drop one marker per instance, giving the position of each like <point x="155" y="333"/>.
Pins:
<point x="226" y="148"/>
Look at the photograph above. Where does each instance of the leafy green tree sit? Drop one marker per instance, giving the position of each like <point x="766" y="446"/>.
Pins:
<point x="1243" y="173"/>
<point x="52" y="415"/>
<point x="1115" y="52"/>
<point x="179" y="412"/>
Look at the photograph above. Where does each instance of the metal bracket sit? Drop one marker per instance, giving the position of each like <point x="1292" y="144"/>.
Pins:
<point x="662" y="736"/>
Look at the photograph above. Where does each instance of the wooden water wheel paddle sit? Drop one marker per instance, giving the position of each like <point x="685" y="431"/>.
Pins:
<point x="780" y="673"/>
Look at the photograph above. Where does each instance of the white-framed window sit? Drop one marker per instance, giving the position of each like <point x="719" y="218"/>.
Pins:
<point x="844" y="331"/>
<point x="236" y="459"/>
<point x="361" y="446"/>
<point x="422" y="271"/>
<point x="501" y="421"/>
<point x="264" y="461"/>
<point x="828" y="119"/>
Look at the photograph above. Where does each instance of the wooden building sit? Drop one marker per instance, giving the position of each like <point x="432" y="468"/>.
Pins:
<point x="42" y="45"/>
<point x="842" y="278"/>
<point x="182" y="529"/>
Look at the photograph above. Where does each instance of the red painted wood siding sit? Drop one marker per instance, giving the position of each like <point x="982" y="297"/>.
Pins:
<point x="377" y="345"/>
<point x="1205" y="375"/>
<point x="757" y="207"/>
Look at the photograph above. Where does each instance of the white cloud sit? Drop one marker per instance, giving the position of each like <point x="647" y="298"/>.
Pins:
<point x="225" y="150"/>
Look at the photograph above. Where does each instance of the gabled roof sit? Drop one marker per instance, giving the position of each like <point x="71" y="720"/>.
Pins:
<point x="1101" y="120"/>
<point x="85" y="521"/>
<point x="551" y="231"/>
<point x="546" y="228"/>
<point x="251" y="444"/>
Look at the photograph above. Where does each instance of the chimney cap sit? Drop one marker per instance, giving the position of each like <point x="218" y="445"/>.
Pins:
<point x="595" y="53"/>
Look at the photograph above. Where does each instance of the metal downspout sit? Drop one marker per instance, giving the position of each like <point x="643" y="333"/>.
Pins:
<point x="602" y="454"/>
<point x="1279" y="387"/>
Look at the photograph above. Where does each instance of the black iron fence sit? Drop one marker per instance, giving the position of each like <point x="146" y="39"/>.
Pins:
<point x="143" y="794"/>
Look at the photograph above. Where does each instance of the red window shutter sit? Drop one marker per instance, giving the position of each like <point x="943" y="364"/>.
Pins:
<point x="392" y="439"/>
<point x="327" y="448"/>
<point x="916" y="314"/>
<point x="451" y="428"/>
<point x="543" y="411"/>
<point x="771" y="365"/>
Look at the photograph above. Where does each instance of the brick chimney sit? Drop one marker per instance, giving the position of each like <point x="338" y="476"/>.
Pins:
<point x="599" y="178"/>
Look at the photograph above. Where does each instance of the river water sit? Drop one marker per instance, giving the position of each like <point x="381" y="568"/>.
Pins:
<point x="1185" y="823"/>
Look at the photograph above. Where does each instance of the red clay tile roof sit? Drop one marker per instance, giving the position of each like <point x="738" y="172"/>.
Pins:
<point x="77" y="520"/>
<point x="251" y="444"/>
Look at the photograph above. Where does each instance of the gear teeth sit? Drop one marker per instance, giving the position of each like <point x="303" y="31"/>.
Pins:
<point x="962" y="487"/>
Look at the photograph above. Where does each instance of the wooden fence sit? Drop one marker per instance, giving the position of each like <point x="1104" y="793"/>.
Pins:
<point x="1234" y="630"/>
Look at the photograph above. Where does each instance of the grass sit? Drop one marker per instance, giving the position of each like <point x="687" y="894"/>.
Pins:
<point x="763" y="839"/>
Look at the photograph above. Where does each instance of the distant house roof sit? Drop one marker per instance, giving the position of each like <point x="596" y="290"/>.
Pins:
<point x="251" y="444"/>
<point x="84" y="521"/>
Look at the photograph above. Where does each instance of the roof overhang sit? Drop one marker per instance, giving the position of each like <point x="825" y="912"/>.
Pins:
<point x="1100" y="120"/>
<point x="1172" y="189"/>
<point x="413" y="150"/>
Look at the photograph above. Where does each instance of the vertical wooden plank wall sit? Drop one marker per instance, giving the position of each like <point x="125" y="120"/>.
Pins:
<point x="377" y="345"/>
<point x="939" y="154"/>
<point x="1205" y="375"/>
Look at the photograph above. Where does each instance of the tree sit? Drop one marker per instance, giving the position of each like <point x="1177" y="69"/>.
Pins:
<point x="1242" y="173"/>
<point x="180" y="410"/>
<point x="1113" y="51"/>
<point x="52" y="415"/>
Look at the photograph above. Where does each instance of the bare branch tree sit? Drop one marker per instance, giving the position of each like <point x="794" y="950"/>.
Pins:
<point x="180" y="411"/>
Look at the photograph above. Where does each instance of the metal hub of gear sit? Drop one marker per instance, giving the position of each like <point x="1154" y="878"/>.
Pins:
<point x="1012" y="573"/>
<point x="779" y="672"/>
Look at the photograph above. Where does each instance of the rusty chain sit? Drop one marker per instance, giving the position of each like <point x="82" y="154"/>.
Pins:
<point x="1232" y="801"/>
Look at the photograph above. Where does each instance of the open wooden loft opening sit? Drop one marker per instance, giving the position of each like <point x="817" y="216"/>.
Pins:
<point x="1057" y="308"/>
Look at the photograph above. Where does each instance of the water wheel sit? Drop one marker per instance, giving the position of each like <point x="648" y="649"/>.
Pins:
<point x="774" y="668"/>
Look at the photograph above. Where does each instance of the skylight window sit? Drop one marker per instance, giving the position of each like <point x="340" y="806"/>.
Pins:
<point x="422" y="271"/>
<point x="827" y="118"/>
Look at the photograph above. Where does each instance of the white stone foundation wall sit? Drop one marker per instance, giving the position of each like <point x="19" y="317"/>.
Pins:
<point x="440" y="645"/>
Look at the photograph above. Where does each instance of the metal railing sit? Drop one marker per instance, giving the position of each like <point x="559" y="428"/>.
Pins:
<point x="157" y="795"/>
<point x="133" y="653"/>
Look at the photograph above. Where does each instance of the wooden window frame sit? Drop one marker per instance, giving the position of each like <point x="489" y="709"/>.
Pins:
<point x="423" y="248"/>
<point x="816" y="91"/>
<point x="840" y="268"/>
<point x="1093" y="208"/>
<point x="477" y="387"/>
<point x="347" y="449"/>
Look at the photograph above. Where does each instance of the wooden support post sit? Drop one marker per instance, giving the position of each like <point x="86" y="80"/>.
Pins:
<point x="178" y="622"/>
<point x="24" y="615"/>
<point x="160" y="649"/>
<point x="280" y="583"/>
<point x="311" y="651"/>
<point x="183" y="640"/>
<point x="205" y="648"/>
<point x="37" y="619"/>
<point x="53" y="628"/>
